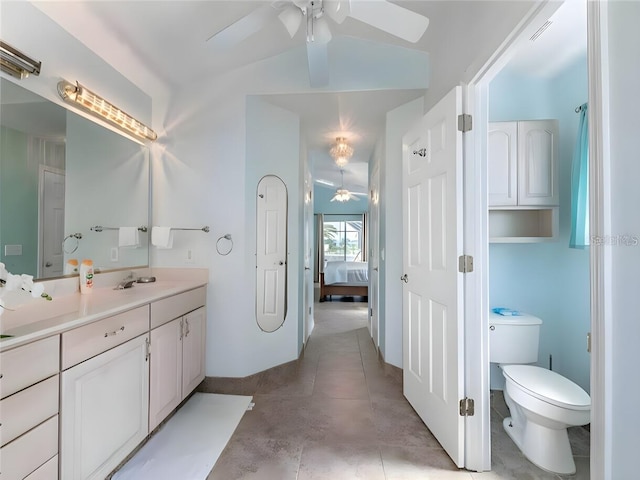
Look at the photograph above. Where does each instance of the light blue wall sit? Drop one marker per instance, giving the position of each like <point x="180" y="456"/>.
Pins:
<point x="548" y="280"/>
<point x="322" y="202"/>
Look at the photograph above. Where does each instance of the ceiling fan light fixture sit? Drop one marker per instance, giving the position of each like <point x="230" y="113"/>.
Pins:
<point x="341" y="152"/>
<point x="341" y="196"/>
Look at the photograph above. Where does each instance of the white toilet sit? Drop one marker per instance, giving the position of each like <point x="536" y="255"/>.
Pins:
<point x="542" y="403"/>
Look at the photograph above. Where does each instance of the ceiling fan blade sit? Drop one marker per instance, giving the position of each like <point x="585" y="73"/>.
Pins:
<point x="243" y="28"/>
<point x="291" y="18"/>
<point x="388" y="17"/>
<point x="318" y="59"/>
<point x="337" y="10"/>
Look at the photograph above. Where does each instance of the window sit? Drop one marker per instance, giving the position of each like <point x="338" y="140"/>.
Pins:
<point x="343" y="238"/>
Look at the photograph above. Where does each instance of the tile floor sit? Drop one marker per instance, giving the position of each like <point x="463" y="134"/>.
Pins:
<point x="339" y="413"/>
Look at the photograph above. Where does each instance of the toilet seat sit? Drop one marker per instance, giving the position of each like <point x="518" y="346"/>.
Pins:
<point x="548" y="386"/>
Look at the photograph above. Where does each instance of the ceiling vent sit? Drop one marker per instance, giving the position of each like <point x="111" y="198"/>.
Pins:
<point x="540" y="31"/>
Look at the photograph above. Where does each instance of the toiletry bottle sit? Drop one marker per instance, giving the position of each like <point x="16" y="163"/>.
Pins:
<point x="86" y="276"/>
<point x="71" y="266"/>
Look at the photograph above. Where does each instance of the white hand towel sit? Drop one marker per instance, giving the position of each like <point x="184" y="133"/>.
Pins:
<point x="162" y="237"/>
<point x="128" y="237"/>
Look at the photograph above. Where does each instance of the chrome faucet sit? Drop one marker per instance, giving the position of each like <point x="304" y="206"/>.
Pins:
<point x="127" y="282"/>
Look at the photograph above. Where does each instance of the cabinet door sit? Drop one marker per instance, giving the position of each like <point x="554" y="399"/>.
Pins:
<point x="105" y="410"/>
<point x="166" y="371"/>
<point x="193" y="348"/>
<point x="537" y="162"/>
<point x="502" y="163"/>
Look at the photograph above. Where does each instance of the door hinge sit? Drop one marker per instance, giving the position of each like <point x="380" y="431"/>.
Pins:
<point x="465" y="122"/>
<point x="465" y="264"/>
<point x="467" y="407"/>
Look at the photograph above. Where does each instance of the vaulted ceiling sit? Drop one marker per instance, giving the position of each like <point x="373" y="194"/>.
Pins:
<point x="161" y="45"/>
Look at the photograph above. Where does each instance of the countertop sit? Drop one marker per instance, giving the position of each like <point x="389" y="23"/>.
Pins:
<point x="43" y="318"/>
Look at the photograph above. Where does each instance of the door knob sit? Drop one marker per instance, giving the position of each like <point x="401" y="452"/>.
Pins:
<point x="281" y="262"/>
<point x="405" y="278"/>
<point x="307" y="268"/>
<point x="48" y="264"/>
<point x="375" y="269"/>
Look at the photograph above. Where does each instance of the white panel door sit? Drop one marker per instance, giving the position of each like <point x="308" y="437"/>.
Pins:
<point x="271" y="254"/>
<point x="104" y="411"/>
<point x="165" y="390"/>
<point x="308" y="257"/>
<point x="374" y="256"/>
<point x="193" y="349"/>
<point x="432" y="290"/>
<point x="51" y="223"/>
<point x="502" y="163"/>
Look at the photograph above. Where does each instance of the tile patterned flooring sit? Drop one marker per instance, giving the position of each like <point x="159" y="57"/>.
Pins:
<point x="339" y="413"/>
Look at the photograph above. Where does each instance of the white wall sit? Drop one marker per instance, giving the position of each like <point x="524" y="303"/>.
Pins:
<point x="624" y="105"/>
<point x="227" y="142"/>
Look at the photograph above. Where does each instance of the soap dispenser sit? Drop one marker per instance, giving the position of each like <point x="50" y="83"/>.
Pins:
<point x="86" y="276"/>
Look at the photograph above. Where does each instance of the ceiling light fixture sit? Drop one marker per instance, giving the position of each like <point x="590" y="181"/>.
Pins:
<point x="341" y="152"/>
<point x="84" y="98"/>
<point x="16" y="63"/>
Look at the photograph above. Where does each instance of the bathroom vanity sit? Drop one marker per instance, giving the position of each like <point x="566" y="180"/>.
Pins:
<point x="86" y="378"/>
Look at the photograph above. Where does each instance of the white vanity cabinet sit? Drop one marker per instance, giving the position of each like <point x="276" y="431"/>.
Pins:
<point x="105" y="394"/>
<point x="522" y="170"/>
<point x="177" y="351"/>
<point x="29" y="410"/>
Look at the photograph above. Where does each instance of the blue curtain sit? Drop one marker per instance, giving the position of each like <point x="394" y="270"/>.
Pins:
<point x="580" y="185"/>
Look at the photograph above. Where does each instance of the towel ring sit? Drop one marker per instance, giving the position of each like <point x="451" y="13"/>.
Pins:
<point x="227" y="236"/>
<point x="77" y="237"/>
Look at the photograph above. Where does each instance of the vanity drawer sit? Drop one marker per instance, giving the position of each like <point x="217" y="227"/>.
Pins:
<point x="169" y="308"/>
<point x="85" y="342"/>
<point x="48" y="471"/>
<point x="26" y="365"/>
<point x="30" y="451"/>
<point x="24" y="410"/>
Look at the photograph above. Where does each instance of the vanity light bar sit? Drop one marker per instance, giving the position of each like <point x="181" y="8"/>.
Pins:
<point x="83" y="97"/>
<point x="16" y="63"/>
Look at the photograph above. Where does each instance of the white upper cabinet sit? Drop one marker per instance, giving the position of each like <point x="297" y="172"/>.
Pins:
<point x="503" y="163"/>
<point x="522" y="163"/>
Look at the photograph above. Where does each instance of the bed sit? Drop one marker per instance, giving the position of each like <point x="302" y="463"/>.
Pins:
<point x="344" y="278"/>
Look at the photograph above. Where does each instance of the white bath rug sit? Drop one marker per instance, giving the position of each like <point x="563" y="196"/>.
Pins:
<point x="189" y="444"/>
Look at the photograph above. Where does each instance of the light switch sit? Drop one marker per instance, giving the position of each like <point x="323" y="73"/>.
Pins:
<point x="12" y="250"/>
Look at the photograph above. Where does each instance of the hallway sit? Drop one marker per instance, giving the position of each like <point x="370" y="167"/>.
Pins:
<point x="338" y="413"/>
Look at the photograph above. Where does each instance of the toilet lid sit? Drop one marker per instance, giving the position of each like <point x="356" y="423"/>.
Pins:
<point x="548" y="386"/>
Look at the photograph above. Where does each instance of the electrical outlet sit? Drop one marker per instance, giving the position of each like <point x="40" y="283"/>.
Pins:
<point x="189" y="256"/>
<point x="114" y="254"/>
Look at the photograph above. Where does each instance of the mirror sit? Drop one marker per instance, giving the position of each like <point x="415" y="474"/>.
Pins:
<point x="61" y="175"/>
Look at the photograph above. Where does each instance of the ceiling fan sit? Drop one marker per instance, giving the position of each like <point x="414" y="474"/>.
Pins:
<point x="381" y="14"/>
<point x="344" y="195"/>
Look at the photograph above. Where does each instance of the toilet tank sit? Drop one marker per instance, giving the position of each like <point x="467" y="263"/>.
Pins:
<point x="513" y="339"/>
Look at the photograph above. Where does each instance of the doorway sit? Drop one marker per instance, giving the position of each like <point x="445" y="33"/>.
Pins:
<point x="531" y="267"/>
